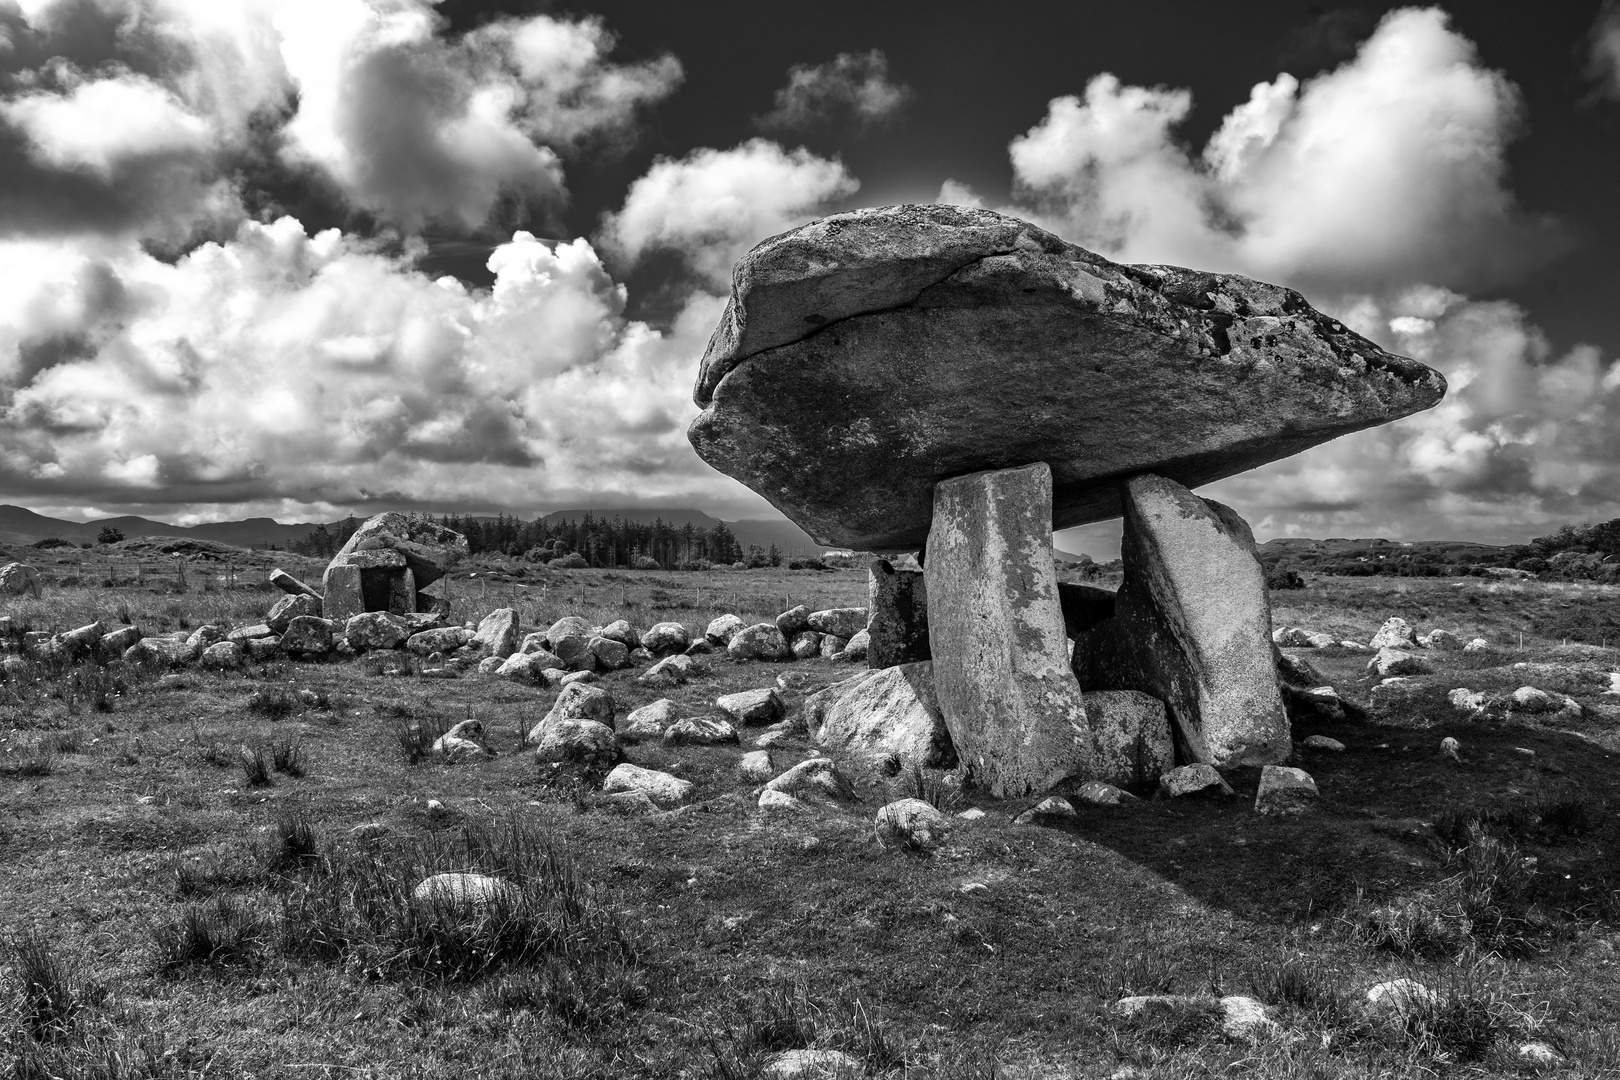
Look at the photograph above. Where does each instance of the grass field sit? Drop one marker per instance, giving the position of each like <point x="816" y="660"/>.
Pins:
<point x="172" y="911"/>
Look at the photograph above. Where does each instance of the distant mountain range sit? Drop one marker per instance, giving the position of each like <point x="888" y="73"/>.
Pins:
<point x="20" y="526"/>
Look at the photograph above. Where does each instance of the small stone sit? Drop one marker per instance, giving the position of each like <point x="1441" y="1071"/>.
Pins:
<point x="1471" y="701"/>
<point x="577" y="702"/>
<point x="1394" y="634"/>
<point x="662" y="788"/>
<point x="793" y="621"/>
<point x="1389" y="661"/>
<point x="222" y="656"/>
<point x="611" y="655"/>
<point x="1477" y="645"/>
<point x="621" y="631"/>
<point x="839" y="622"/>
<point x="376" y="630"/>
<point x="815" y="780"/>
<point x="1048" y="811"/>
<point x="974" y="888"/>
<point x="519" y="667"/>
<point x="1540" y="1053"/>
<point x="1451" y="748"/>
<point x="1098" y="793"/>
<point x="805" y="645"/>
<point x="1400" y="996"/>
<point x="771" y="800"/>
<point x="574" y="677"/>
<point x="446" y="639"/>
<point x="799" y="682"/>
<point x="473" y="892"/>
<point x="665" y="637"/>
<point x="854" y="649"/>
<point x="1193" y="780"/>
<point x="1442" y="640"/>
<point x="649" y="721"/>
<point x="1245" y="1018"/>
<point x="1284" y="791"/>
<point x="762" y="641"/>
<point x="489" y="665"/>
<point x="972" y="813"/>
<point x="1322" y="742"/>
<point x="722" y="629"/>
<point x="306" y="635"/>
<point x="567" y="739"/>
<point x="700" y="731"/>
<point x="911" y="824"/>
<point x="461" y="742"/>
<point x="832" y="646"/>
<point x="1529" y="699"/>
<point x="497" y="634"/>
<point x="756" y="766"/>
<point x="752" y="708"/>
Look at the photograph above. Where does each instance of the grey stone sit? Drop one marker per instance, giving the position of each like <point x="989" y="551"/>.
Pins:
<point x="1048" y="811"/>
<point x="19" y="579"/>
<point x="291" y="585"/>
<point x="832" y="646"/>
<point x="756" y="766"/>
<point x="342" y="594"/>
<point x="897" y="627"/>
<point x="498" y="633"/>
<point x="307" y="635"/>
<point x="577" y="677"/>
<point x="1001" y="668"/>
<point x="461" y="742"/>
<point x="1193" y="627"/>
<point x="815" y="780"/>
<point x="663" y="789"/>
<point x="867" y="356"/>
<point x="793" y="620"/>
<point x="244" y="634"/>
<point x="1285" y="791"/>
<point x="1098" y="793"/>
<point x="700" y="731"/>
<point x="806" y="645"/>
<point x="780" y="802"/>
<point x="200" y="638"/>
<point x="466" y="891"/>
<point x="1322" y="742"/>
<point x="1390" y="662"/>
<point x="889" y="714"/>
<point x="621" y="631"/>
<point x="374" y="559"/>
<point x="752" y="708"/>
<point x="1394" y="634"/>
<point x="911" y="824"/>
<point x="571" y="739"/>
<point x="672" y="671"/>
<point x="610" y="655"/>
<point x="114" y="643"/>
<point x="567" y="626"/>
<point x="663" y="638"/>
<point x="839" y="622"/>
<point x="1131" y="732"/>
<point x="371" y="631"/>
<point x="1192" y="780"/>
<point x="650" y="721"/>
<point x="762" y="641"/>
<point x="262" y="648"/>
<point x="222" y="656"/>
<point x="519" y="667"/>
<point x="721" y="628"/>
<point x="443" y="640"/>
<point x="854" y="649"/>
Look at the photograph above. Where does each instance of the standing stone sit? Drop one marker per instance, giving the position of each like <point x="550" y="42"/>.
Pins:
<point x="1132" y="734"/>
<point x="1193" y="627"/>
<point x="345" y="594"/>
<point x="898" y="630"/>
<point x="1001" y="669"/>
<point x="498" y="633"/>
<point x="402" y="592"/>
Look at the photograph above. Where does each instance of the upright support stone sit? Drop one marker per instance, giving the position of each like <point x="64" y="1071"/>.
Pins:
<point x="898" y="602"/>
<point x="402" y="592"/>
<point x="1001" y="669"/>
<point x="345" y="596"/>
<point x="1193" y="627"/>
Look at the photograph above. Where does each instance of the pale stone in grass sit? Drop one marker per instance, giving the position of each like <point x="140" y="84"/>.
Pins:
<point x="1390" y="662"/>
<point x="242" y="635"/>
<point x="1443" y="640"/>
<point x="649" y="721"/>
<point x="1477" y="645"/>
<point x="461" y="741"/>
<point x="756" y="766"/>
<point x="222" y="656"/>
<point x="577" y="677"/>
<point x="1321" y="641"/>
<point x="611" y="655"/>
<point x="972" y="813"/>
<point x="752" y="708"/>
<point x="1394" y="634"/>
<point x="771" y="800"/>
<point x="1193" y="780"/>
<point x="1097" y="793"/>
<point x="200" y="638"/>
<point x="662" y="788"/>
<point x="700" y="731"/>
<point x="812" y="1065"/>
<point x="621" y="631"/>
<point x="814" y="780"/>
<point x="587" y="742"/>
<point x="498" y="633"/>
<point x="1245" y="1018"/>
<point x="721" y="629"/>
<point x="892" y="713"/>
<point x="1291" y="637"/>
<point x="446" y="639"/>
<point x="578" y="702"/>
<point x="19" y="579"/>
<point x="1400" y="996"/>
<point x="672" y="671"/>
<point x="114" y="643"/>
<point x="665" y="637"/>
<point x="761" y="641"/>
<point x="1285" y="791"/>
<point x="912" y="824"/>
<point x="464" y="890"/>
<point x="1046" y="812"/>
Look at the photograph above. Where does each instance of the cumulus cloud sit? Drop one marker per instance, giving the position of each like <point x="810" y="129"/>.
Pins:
<point x="1387" y="171"/>
<point x="315" y="370"/>
<point x="711" y="206"/>
<point x="145" y="109"/>
<point x="856" y="85"/>
<point x="1603" y="60"/>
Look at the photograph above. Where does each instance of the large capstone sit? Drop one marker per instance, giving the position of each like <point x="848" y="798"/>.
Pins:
<point x="428" y="549"/>
<point x="865" y="357"/>
<point x="1193" y="627"/>
<point x="1000" y="665"/>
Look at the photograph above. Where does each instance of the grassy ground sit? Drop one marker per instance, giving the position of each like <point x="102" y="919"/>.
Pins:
<point x="170" y="917"/>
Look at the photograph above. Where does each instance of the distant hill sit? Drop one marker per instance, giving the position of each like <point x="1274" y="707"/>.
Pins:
<point x="20" y="526"/>
<point x="787" y="536"/>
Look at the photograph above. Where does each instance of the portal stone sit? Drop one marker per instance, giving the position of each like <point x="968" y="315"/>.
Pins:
<point x="898" y="602"/>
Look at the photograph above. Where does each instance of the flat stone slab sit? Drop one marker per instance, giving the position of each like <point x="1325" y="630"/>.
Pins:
<point x="867" y="356"/>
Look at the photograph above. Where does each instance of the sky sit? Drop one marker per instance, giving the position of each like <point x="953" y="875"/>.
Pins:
<point x="302" y="258"/>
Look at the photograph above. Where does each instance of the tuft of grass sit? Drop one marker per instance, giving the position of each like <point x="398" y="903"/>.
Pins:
<point x="287" y="756"/>
<point x="293" y="846"/>
<point x="416" y="736"/>
<point x="932" y="789"/>
<point x="255" y="765"/>
<point x="220" y="932"/>
<point x="1138" y="972"/>
<point x="273" y="702"/>
<point x="49" y="1002"/>
<point x="1465" y="1019"/>
<point x="34" y="758"/>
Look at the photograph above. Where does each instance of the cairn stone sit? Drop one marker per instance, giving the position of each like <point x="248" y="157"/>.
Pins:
<point x="1132" y="734"/>
<point x="344" y="596"/>
<point x="498" y="633"/>
<point x="1001" y="667"/>
<point x="898" y="626"/>
<point x="289" y="608"/>
<point x="1193" y="627"/>
<point x="891" y="714"/>
<point x="839" y="622"/>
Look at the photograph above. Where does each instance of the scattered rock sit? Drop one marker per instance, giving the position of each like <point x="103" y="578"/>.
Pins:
<point x="1193" y="780"/>
<point x="649" y="721"/>
<point x="586" y="742"/>
<point x="672" y="671"/>
<point x="1394" y="634"/>
<point x="523" y="667"/>
<point x="812" y="1065"/>
<point x="469" y="892"/>
<point x="1047" y="812"/>
<point x="1441" y="640"/>
<point x="662" y="788"/>
<point x="752" y="708"/>
<point x="200" y="639"/>
<point x="1539" y="1052"/>
<point x="793" y="621"/>
<point x="223" y="656"/>
<point x="805" y="645"/>
<point x="762" y="641"/>
<point x="1291" y="637"/>
<point x="498" y="633"/>
<point x="814" y="780"/>
<point x="778" y="801"/>
<point x="621" y="631"/>
<point x="756" y="766"/>
<point x="446" y="639"/>
<point x="1451" y="748"/>
<point x="832" y="647"/>
<point x="891" y="713"/>
<point x="911" y="824"/>
<point x="854" y="649"/>
<point x="839" y="622"/>
<point x="1097" y="793"/>
<point x="1322" y="742"/>
<point x="307" y="635"/>
<point x="1285" y="791"/>
<point x="1477" y="645"/>
<point x="291" y="585"/>
<point x="972" y="813"/>
<point x="1529" y="699"/>
<point x="1390" y="662"/>
<point x="663" y="638"/>
<point x="376" y="630"/>
<point x="611" y="655"/>
<point x="1400" y="996"/>
<point x="721" y="629"/>
<point x="700" y="731"/>
<point x="578" y="702"/>
<point x="461" y="742"/>
<point x="1245" y="1018"/>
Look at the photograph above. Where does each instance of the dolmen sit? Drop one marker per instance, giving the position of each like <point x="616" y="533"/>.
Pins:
<point x="386" y="564"/>
<point x="957" y="383"/>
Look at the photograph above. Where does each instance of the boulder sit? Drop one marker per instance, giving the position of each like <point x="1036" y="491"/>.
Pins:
<point x="1048" y="811"/>
<point x="373" y="631"/>
<point x="1291" y="637"/>
<point x="806" y="645"/>
<point x="1131" y="733"/>
<point x="1394" y="634"/>
<point x="222" y="656"/>
<point x="291" y="585"/>
<point x="1097" y="793"/>
<point x="854" y="649"/>
<point x="722" y="628"/>
<point x="756" y="766"/>
<point x="1284" y="791"/>
<point x="752" y="708"/>
<point x="1193" y="780"/>
<point x="649" y="721"/>
<point x="244" y="634"/>
<point x="1323" y="742"/>
<point x="762" y="641"/>
<point x="498" y="633"/>
<point x="115" y="643"/>
<point x="1477" y="645"/>
<point x="489" y="665"/>
<point x="911" y="824"/>
<point x="621" y="631"/>
<point x="664" y="638"/>
<point x="801" y="681"/>
<point x="19" y="579"/>
<point x="1084" y="606"/>
<point x="1390" y="662"/>
<point x="1001" y="668"/>
<point x="289" y="608"/>
<point x="472" y="892"/>
<point x="523" y="667"/>
<point x="1441" y="640"/>
<point x="869" y="355"/>
<point x="573" y="677"/>
<point x="572" y="646"/>
<point x="672" y="671"/>
<point x="700" y="731"/>
<point x="793" y="620"/>
<point x="891" y="714"/>
<point x="578" y="701"/>
<point x="200" y="638"/>
<point x="663" y="789"/>
<point x="781" y="802"/>
<point x="262" y="648"/>
<point x="815" y="780"/>
<point x="832" y="647"/>
<point x="461" y="742"/>
<point x="343" y="593"/>
<point x="839" y="622"/>
<point x="1193" y="627"/>
<point x="567" y="626"/>
<point x="429" y="549"/>
<point x="609" y="654"/>
<point x="1320" y="640"/>
<point x="575" y="740"/>
<point x="307" y="636"/>
<point x="897" y="629"/>
<point x="446" y="639"/>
